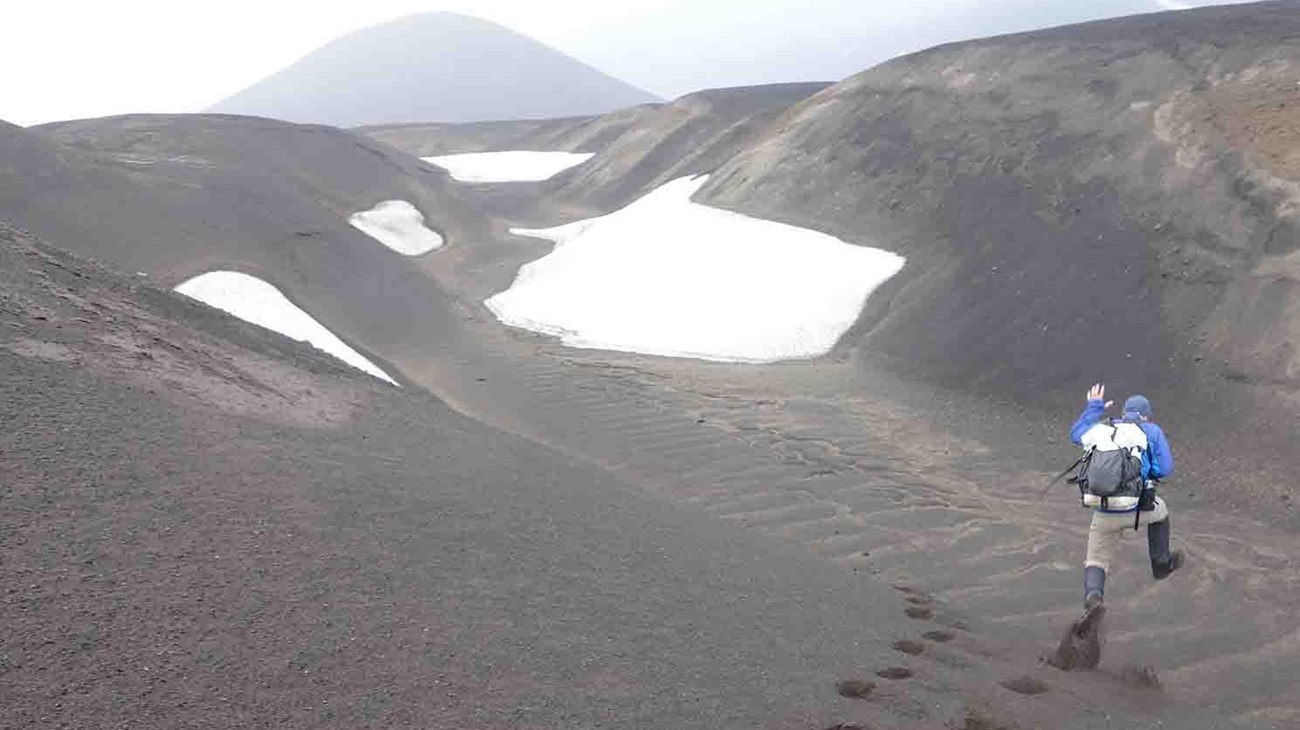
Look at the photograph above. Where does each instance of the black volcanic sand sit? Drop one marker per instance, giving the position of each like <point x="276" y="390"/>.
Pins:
<point x="1013" y="571"/>
<point x="206" y="524"/>
<point x="1218" y="631"/>
<point x="173" y="559"/>
<point x="206" y="521"/>
<point x="976" y="532"/>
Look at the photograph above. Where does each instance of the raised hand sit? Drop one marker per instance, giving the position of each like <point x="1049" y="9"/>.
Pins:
<point x="1098" y="392"/>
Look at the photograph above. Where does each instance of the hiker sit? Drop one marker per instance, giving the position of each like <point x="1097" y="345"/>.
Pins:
<point x="1134" y="432"/>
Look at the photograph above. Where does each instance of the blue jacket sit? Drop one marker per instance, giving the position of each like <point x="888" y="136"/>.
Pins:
<point x="1157" y="460"/>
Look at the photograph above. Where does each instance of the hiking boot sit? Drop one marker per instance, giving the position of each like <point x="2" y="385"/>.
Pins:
<point x="1091" y="601"/>
<point x="1162" y="569"/>
<point x="1163" y="561"/>
<point x="1094" y="586"/>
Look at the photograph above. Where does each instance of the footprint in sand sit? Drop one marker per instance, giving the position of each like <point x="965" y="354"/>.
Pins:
<point x="1025" y="685"/>
<point x="1080" y="646"/>
<point x="857" y="689"/>
<point x="938" y="636"/>
<point x="920" y="612"/>
<point x="894" y="673"/>
<point x="909" y="646"/>
<point x="921" y="608"/>
<point x="978" y="719"/>
<point x="1144" y="677"/>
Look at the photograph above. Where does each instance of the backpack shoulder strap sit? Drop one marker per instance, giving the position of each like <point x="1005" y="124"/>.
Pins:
<point x="1068" y="469"/>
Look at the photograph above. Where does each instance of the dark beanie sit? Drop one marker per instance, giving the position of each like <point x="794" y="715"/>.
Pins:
<point x="1137" y="404"/>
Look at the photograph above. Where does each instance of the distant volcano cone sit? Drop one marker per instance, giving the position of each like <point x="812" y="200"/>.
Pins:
<point x="437" y="67"/>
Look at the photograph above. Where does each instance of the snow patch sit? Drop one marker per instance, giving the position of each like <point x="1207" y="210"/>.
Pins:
<point x="256" y="301"/>
<point x="509" y="166"/>
<point x="399" y="226"/>
<point x="665" y="276"/>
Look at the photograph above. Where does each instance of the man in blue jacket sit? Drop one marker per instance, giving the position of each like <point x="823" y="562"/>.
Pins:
<point x="1109" y="524"/>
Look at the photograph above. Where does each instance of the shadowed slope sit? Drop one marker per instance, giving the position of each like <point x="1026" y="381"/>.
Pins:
<point x="692" y="135"/>
<point x="174" y="197"/>
<point x="203" y="519"/>
<point x="574" y="134"/>
<point x="437" y="67"/>
<point x="1111" y="201"/>
<point x="636" y="149"/>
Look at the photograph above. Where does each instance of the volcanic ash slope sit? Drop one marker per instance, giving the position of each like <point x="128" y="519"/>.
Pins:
<point x="1107" y="201"/>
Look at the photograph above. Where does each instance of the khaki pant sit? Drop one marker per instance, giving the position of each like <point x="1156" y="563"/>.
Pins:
<point x="1109" y="527"/>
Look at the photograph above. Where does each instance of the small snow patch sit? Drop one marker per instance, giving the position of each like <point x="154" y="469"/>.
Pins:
<point x="665" y="276"/>
<point x="256" y="301"/>
<point x="509" y="166"/>
<point x="399" y="226"/>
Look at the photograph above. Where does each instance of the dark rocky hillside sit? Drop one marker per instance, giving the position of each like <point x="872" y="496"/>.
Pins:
<point x="635" y="149"/>
<point x="436" y="67"/>
<point x="1112" y="201"/>
<point x="692" y="135"/>
<point x="205" y="519"/>
<point x="174" y="196"/>
<point x="574" y="134"/>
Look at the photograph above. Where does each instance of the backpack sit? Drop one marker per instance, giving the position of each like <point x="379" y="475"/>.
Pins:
<point x="1109" y="474"/>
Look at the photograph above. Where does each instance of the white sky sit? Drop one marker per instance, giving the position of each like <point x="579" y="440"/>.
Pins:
<point x="67" y="59"/>
<point x="81" y="58"/>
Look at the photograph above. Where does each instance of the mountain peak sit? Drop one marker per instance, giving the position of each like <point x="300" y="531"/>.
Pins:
<point x="432" y="67"/>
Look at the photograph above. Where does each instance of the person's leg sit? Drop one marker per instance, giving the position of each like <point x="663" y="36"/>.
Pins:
<point x="1102" y="537"/>
<point x="1163" y="560"/>
<point x="1094" y="585"/>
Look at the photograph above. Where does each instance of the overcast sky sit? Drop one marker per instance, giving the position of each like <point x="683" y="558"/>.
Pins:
<point x="83" y="58"/>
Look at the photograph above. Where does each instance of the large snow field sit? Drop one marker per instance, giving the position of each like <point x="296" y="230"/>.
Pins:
<point x="509" y="166"/>
<point x="398" y="225"/>
<point x="665" y="276"/>
<point x="256" y="301"/>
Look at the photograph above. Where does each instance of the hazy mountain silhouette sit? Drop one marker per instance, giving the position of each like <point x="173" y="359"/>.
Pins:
<point x="437" y="67"/>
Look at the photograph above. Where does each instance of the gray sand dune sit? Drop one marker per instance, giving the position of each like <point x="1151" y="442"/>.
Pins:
<point x="175" y="196"/>
<point x="173" y="557"/>
<point x="177" y="559"/>
<point x="636" y="149"/>
<point x="692" y="135"/>
<point x="170" y="559"/>
<point x="573" y="134"/>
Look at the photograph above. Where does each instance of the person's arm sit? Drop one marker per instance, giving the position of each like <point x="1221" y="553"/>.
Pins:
<point x="1162" y="459"/>
<point x="1091" y="416"/>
